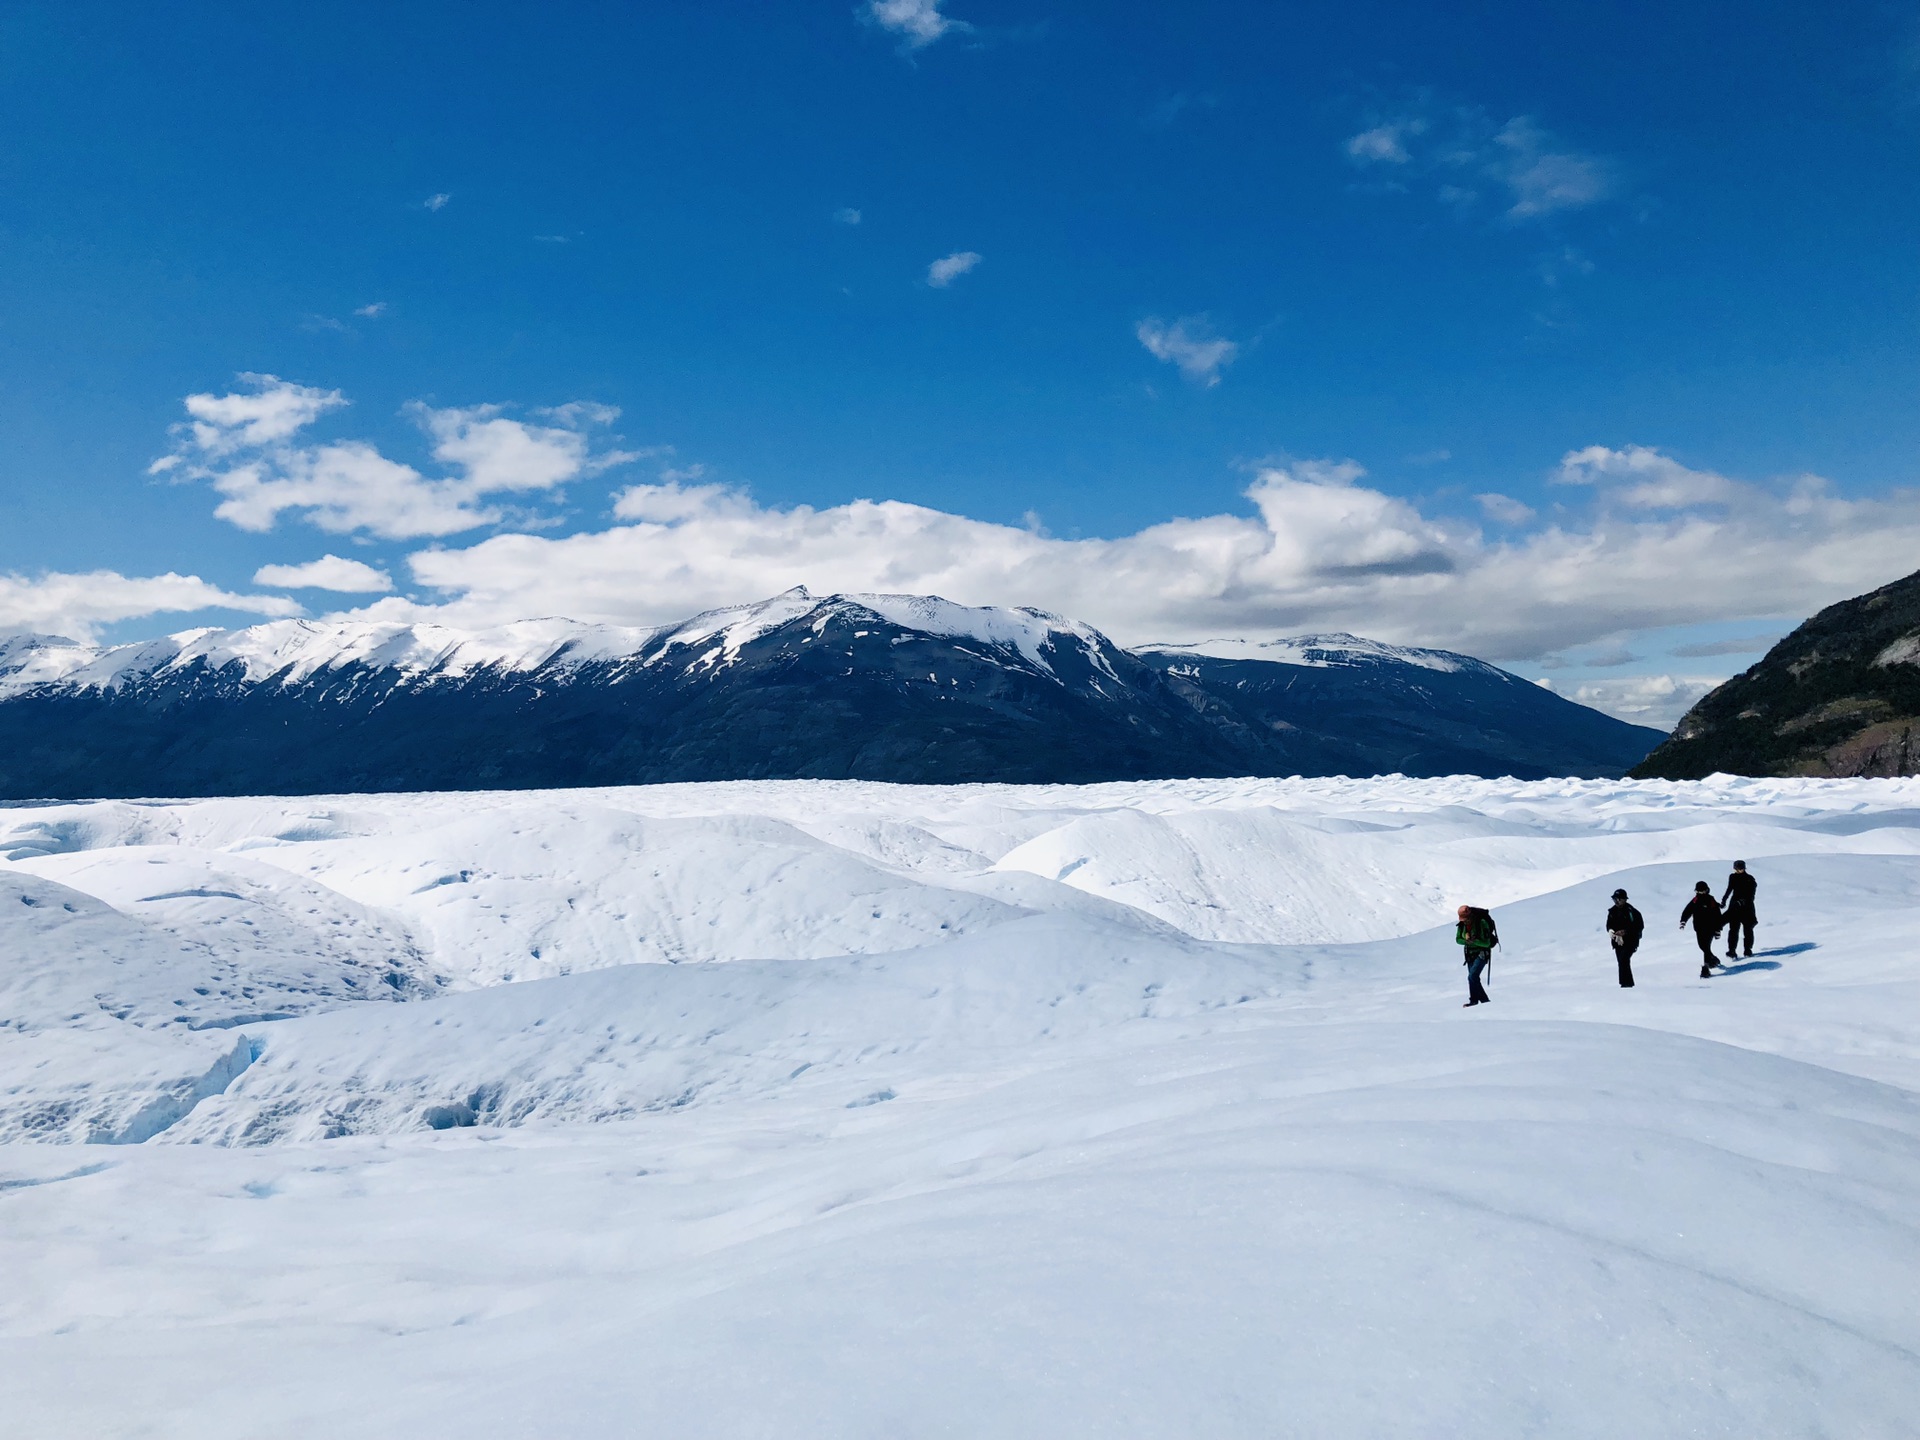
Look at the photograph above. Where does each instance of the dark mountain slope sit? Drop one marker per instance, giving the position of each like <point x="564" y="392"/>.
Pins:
<point x="1355" y="707"/>
<point x="1839" y="696"/>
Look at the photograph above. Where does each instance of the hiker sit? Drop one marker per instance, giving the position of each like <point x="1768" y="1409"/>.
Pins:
<point x="1477" y="933"/>
<point x="1738" y="903"/>
<point x="1624" y="928"/>
<point x="1704" y="911"/>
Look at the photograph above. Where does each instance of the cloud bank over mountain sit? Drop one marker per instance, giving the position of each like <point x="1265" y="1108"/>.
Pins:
<point x="1321" y="549"/>
<point x="1633" y="540"/>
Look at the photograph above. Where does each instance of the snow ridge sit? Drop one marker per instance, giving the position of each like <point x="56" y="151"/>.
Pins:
<point x="293" y="652"/>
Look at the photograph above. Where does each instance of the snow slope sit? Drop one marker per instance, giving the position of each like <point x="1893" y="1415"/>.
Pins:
<point x="822" y="1109"/>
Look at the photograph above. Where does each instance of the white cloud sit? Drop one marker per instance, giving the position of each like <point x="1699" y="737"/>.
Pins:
<point x="437" y="201"/>
<point x="1385" y="144"/>
<point x="222" y="424"/>
<point x="1656" y="700"/>
<point x="1462" y="150"/>
<point x="245" y="446"/>
<point x="1189" y="343"/>
<point x="846" y="215"/>
<point x="1644" y="479"/>
<point x="329" y="572"/>
<point x="76" y="605"/>
<point x="917" y="22"/>
<point x="948" y="268"/>
<point x="1505" y="509"/>
<point x="1542" y="178"/>
<point x="1556" y="269"/>
<point x="1319" y="550"/>
<point x="373" y="311"/>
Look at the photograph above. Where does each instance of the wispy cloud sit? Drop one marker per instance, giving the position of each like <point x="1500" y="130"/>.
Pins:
<point x="329" y="572"/>
<point x="1739" y="645"/>
<point x="247" y="445"/>
<point x="437" y="201"/>
<point x="1385" y="144"/>
<point x="1562" y="265"/>
<point x="1542" y="176"/>
<point x="1189" y="343"/>
<point x="1504" y="509"/>
<point x="949" y="268"/>
<point x="846" y="215"/>
<point x="1167" y="113"/>
<point x="77" y="605"/>
<point x="1463" y="153"/>
<point x="373" y="311"/>
<point x="918" y="23"/>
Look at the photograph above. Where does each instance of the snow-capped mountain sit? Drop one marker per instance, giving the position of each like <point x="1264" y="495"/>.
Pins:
<point x="878" y="687"/>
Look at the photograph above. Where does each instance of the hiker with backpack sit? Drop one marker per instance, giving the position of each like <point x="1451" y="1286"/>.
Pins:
<point x="1704" y="911"/>
<point x="1476" y="932"/>
<point x="1738" y="904"/>
<point x="1624" y="928"/>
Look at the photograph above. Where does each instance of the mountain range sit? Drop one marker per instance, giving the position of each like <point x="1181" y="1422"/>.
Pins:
<point x="873" y="687"/>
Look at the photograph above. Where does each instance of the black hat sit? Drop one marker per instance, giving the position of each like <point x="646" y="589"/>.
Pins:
<point x="1619" y="894"/>
<point x="1702" y="885"/>
<point x="1739" y="864"/>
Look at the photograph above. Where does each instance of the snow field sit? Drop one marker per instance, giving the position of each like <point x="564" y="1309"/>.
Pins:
<point x="1122" y="1110"/>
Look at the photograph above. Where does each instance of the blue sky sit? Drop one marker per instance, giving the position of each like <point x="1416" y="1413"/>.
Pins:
<point x="1564" y="334"/>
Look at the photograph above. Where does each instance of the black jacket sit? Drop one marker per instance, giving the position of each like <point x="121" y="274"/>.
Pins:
<point x="1704" y="911"/>
<point x="1625" y="924"/>
<point x="1739" y="896"/>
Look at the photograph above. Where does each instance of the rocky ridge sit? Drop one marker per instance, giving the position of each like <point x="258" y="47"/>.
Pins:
<point x="1840" y="696"/>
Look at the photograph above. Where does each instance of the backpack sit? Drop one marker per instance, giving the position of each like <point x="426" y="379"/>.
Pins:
<point x="1482" y="934"/>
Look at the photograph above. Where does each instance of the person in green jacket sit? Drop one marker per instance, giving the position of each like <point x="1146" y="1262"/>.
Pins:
<point x="1477" y="934"/>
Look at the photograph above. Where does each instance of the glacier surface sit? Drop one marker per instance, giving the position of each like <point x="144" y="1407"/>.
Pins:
<point x="836" y="1109"/>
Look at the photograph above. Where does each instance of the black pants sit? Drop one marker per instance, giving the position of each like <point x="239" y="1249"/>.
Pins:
<point x="1735" y="924"/>
<point x="1623" y="957"/>
<point x="1477" y="961"/>
<point x="1707" y="958"/>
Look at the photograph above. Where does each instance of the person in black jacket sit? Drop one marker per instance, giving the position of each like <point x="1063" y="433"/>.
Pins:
<point x="1738" y="902"/>
<point x="1704" y="911"/>
<point x="1624" y="928"/>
